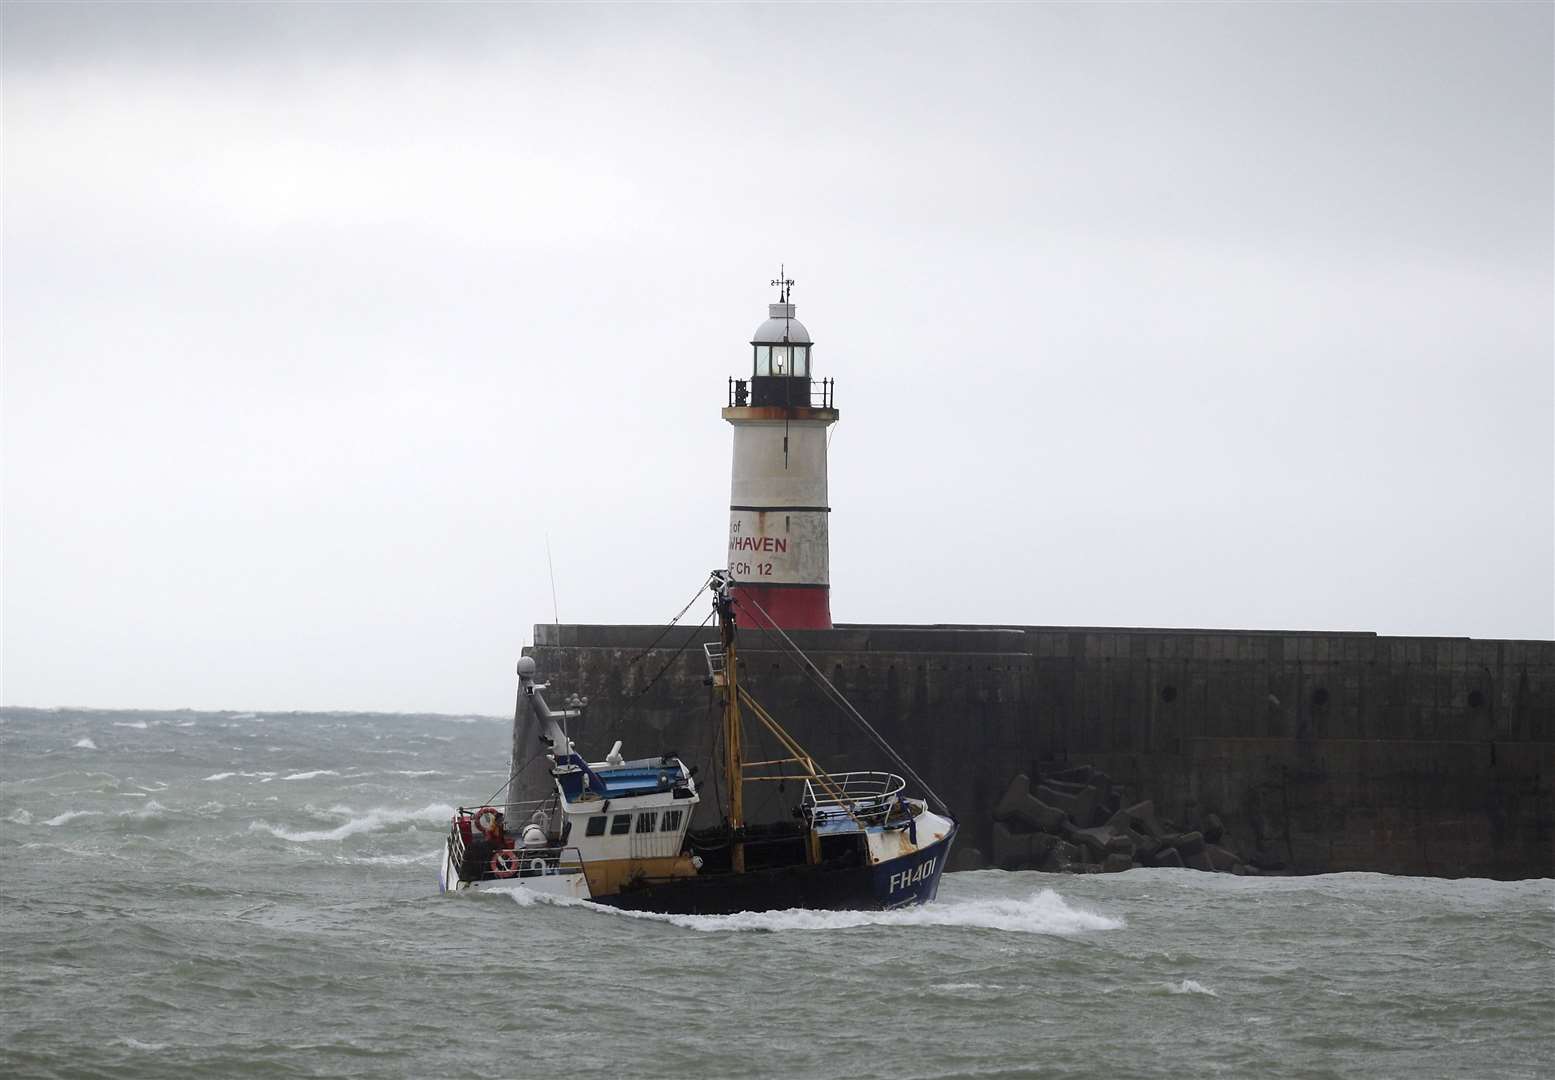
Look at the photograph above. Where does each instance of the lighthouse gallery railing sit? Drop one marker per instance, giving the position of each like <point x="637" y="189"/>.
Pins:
<point x="822" y="393"/>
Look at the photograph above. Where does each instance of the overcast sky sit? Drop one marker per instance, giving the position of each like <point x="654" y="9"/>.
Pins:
<point x="319" y="320"/>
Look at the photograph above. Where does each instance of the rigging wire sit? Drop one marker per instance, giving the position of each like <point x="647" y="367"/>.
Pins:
<point x="513" y="775"/>
<point x="718" y="740"/>
<point x="676" y="656"/>
<point x="671" y="626"/>
<point x="840" y="700"/>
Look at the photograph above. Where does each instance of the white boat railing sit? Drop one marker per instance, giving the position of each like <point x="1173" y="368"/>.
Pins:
<point x="519" y="814"/>
<point x="540" y="862"/>
<point x="867" y="797"/>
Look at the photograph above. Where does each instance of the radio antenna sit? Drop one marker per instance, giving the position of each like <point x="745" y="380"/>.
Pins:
<point x="556" y="618"/>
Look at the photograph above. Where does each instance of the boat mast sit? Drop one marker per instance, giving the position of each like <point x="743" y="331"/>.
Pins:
<point x="734" y="762"/>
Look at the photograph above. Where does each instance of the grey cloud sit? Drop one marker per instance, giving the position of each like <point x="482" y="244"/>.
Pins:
<point x="320" y="319"/>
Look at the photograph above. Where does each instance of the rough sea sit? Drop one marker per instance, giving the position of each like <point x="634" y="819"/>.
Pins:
<point x="199" y="894"/>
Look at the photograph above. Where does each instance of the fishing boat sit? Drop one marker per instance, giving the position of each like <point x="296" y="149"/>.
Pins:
<point x="619" y="831"/>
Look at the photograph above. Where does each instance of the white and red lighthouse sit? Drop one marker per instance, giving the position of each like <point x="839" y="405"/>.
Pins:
<point x="778" y="506"/>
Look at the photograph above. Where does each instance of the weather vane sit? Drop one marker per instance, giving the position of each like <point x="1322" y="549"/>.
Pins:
<point x="784" y="282"/>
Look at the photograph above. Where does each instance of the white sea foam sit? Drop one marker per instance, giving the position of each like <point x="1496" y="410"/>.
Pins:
<point x="71" y="815"/>
<point x="220" y="775"/>
<point x="19" y="817"/>
<point x="148" y="809"/>
<point x="957" y="987"/>
<point x="417" y="772"/>
<point x="136" y="1044"/>
<point x="429" y="857"/>
<point x="84" y="744"/>
<point x="137" y="724"/>
<point x="311" y="775"/>
<point x="371" y="821"/>
<point x="1043" y="912"/>
<point x="1188" y="986"/>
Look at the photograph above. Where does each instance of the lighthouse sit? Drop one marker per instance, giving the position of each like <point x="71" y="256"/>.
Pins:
<point x="778" y="505"/>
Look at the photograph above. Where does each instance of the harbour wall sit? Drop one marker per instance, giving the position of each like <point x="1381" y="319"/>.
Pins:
<point x="1338" y="751"/>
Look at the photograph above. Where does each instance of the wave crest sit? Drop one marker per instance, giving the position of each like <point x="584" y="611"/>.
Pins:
<point x="1043" y="912"/>
<point x="71" y="815"/>
<point x="377" y="820"/>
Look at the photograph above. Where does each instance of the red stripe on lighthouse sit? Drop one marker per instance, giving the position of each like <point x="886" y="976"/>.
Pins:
<point x="789" y="609"/>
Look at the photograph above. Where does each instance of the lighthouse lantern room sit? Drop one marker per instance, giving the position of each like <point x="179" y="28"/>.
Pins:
<point x="778" y="505"/>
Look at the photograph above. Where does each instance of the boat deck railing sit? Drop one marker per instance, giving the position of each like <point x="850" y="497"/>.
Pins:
<point x="866" y="797"/>
<point x="543" y="862"/>
<point x="545" y="813"/>
<point x="518" y="861"/>
<point x="518" y="813"/>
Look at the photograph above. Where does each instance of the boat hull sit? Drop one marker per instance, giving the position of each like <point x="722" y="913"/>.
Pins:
<point x="912" y="878"/>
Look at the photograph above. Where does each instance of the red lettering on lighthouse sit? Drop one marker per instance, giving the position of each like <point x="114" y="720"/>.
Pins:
<point x="760" y="543"/>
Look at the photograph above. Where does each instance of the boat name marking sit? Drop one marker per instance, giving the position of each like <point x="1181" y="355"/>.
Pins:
<point x="912" y="877"/>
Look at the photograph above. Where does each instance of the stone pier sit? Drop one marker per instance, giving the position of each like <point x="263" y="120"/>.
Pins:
<point x="1325" y="751"/>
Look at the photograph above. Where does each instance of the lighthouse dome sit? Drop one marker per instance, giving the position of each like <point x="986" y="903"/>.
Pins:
<point x="781" y="321"/>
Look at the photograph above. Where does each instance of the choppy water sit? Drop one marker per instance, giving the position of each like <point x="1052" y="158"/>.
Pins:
<point x="231" y="895"/>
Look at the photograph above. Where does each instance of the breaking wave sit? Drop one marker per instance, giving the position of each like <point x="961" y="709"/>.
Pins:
<point x="84" y="744"/>
<point x="1188" y="986"/>
<point x="71" y="815"/>
<point x="428" y="857"/>
<point x="139" y="725"/>
<point x="1043" y="912"/>
<point x="148" y="809"/>
<point x="220" y="775"/>
<point x="372" y="821"/>
<point x="311" y="775"/>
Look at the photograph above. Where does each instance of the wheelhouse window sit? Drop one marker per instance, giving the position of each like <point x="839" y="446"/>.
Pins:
<point x="621" y="824"/>
<point x="670" y="821"/>
<point x="645" y="822"/>
<point x="596" y="826"/>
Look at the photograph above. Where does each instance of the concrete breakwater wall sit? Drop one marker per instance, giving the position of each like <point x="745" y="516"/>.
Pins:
<point x="1336" y="751"/>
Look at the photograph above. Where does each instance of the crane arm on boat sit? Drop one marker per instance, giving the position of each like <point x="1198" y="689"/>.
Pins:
<point x="552" y="722"/>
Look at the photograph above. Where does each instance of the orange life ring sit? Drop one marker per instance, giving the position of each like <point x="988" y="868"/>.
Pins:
<point x="505" y="863"/>
<point x="489" y="821"/>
